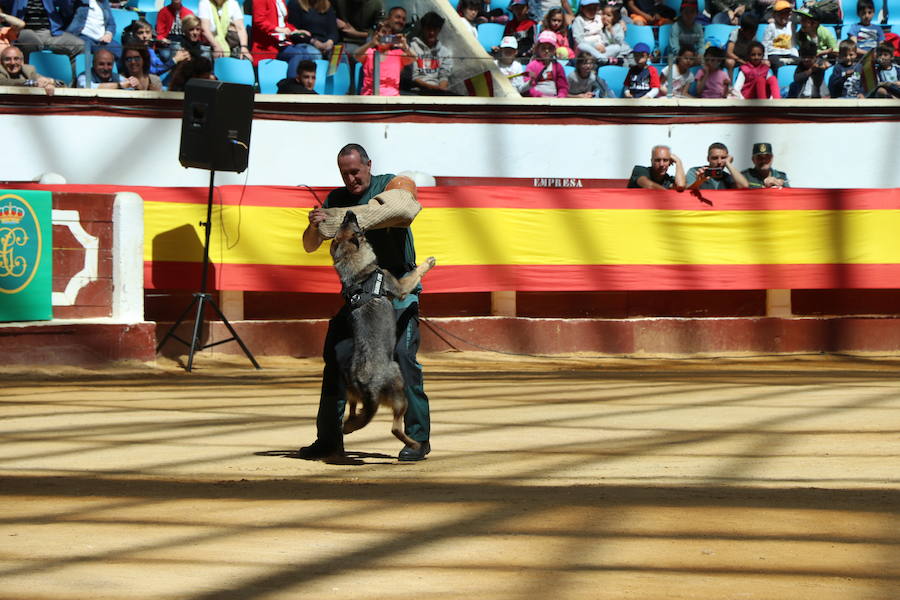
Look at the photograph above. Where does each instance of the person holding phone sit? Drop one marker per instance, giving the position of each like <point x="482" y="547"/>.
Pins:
<point x="720" y="172"/>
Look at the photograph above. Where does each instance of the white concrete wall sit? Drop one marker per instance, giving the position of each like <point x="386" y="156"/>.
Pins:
<point x="144" y="151"/>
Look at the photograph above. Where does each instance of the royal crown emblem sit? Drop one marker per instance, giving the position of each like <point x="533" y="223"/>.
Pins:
<point x="11" y="214"/>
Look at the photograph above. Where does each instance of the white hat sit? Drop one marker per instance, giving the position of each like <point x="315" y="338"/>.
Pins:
<point x="509" y="42"/>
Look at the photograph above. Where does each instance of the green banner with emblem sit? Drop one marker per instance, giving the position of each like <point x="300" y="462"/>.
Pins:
<point x="26" y="251"/>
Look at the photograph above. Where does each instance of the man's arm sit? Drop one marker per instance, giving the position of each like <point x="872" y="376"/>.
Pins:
<point x="739" y="178"/>
<point x="680" y="180"/>
<point x="647" y="183"/>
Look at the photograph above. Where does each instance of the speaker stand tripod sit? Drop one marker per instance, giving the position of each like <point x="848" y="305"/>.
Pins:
<point x="202" y="299"/>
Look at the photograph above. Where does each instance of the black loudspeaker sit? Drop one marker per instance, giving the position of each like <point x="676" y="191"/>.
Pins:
<point x="215" y="127"/>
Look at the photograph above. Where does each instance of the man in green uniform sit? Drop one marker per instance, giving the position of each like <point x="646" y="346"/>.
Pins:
<point x="396" y="253"/>
<point x="762" y="175"/>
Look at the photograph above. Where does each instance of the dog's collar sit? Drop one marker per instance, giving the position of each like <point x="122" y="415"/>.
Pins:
<point x="359" y="294"/>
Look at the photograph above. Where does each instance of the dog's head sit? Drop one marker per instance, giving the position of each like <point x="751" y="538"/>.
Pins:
<point x="350" y="241"/>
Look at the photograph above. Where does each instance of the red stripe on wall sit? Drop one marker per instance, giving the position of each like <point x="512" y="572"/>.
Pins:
<point x="535" y="198"/>
<point x="535" y="278"/>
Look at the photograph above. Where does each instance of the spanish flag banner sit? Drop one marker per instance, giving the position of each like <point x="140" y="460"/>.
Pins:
<point x="335" y="59"/>
<point x="533" y="239"/>
<point x="480" y="85"/>
<point x="867" y="74"/>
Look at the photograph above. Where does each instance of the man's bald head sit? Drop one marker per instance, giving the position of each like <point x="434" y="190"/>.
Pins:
<point x="103" y="55"/>
<point x="12" y="59"/>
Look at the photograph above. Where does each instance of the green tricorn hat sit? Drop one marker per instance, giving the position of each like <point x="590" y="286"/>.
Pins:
<point x="762" y="148"/>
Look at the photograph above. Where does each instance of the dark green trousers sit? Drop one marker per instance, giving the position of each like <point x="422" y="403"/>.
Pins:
<point x="337" y="354"/>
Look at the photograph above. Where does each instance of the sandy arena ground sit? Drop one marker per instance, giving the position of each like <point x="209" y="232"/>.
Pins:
<point x="558" y="478"/>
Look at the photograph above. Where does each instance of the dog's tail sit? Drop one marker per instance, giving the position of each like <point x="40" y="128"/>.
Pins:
<point x="358" y="420"/>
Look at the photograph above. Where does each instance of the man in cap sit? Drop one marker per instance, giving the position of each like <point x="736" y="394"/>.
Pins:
<point x="762" y="175"/>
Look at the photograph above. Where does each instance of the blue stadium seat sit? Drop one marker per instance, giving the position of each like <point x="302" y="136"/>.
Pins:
<point x="143" y="5"/>
<point x="192" y="5"/>
<point x="490" y="34"/>
<point x="893" y="14"/>
<point x="358" y="77"/>
<point x="636" y="34"/>
<point x="150" y="17"/>
<point x="501" y="4"/>
<point x="848" y="7"/>
<point x="785" y="78"/>
<point x="234" y="70"/>
<point x="716" y="34"/>
<point x="760" y="31"/>
<point x="339" y="83"/>
<point x="665" y="32"/>
<point x="54" y="66"/>
<point x="271" y="71"/>
<point x="321" y="69"/>
<point x="123" y="19"/>
<point x="614" y="76"/>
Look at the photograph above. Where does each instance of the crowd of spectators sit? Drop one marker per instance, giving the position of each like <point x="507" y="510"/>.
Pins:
<point x="547" y="48"/>
<point x="719" y="172"/>
<point x="684" y="57"/>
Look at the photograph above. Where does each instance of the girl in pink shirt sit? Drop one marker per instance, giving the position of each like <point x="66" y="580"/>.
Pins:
<point x="712" y="80"/>
<point x="754" y="80"/>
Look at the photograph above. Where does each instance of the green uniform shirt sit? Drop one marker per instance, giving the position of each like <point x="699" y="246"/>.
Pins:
<point x="755" y="178"/>
<point x="639" y="171"/>
<point x="393" y="246"/>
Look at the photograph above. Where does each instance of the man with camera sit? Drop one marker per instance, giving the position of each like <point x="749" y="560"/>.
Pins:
<point x="718" y="174"/>
<point x="762" y="175"/>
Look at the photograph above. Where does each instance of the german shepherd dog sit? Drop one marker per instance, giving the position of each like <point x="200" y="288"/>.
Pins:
<point x="374" y="377"/>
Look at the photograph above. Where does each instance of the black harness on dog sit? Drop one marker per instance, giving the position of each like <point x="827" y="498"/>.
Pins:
<point x="359" y="294"/>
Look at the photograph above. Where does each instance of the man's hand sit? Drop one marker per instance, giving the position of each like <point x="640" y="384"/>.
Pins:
<point x="312" y="239"/>
<point x="773" y="182"/>
<point x="106" y="38"/>
<point x="316" y="216"/>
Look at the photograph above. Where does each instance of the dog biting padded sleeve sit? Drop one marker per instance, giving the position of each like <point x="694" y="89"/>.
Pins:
<point x="390" y="208"/>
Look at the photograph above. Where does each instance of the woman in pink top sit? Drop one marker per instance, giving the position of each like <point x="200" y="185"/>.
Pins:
<point x="394" y="54"/>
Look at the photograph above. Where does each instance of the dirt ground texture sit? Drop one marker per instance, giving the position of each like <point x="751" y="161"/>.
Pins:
<point x="563" y="477"/>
